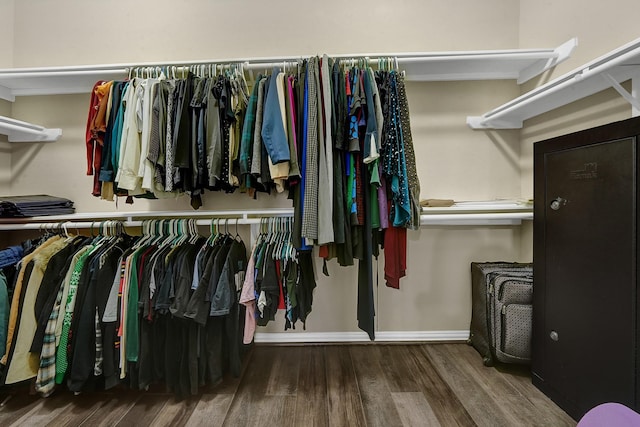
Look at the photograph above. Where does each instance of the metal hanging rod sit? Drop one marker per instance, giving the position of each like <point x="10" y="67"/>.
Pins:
<point x="495" y="218"/>
<point x="136" y="223"/>
<point x="135" y="219"/>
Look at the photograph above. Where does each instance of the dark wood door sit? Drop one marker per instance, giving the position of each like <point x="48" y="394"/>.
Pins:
<point x="589" y="273"/>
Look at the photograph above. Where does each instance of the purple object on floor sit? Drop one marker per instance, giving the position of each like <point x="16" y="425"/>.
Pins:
<point x="610" y="415"/>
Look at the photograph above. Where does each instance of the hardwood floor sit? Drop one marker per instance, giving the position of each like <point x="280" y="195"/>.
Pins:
<point x="319" y="385"/>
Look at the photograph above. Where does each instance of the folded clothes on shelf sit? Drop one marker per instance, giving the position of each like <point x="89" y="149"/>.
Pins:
<point x="436" y="203"/>
<point x="36" y="205"/>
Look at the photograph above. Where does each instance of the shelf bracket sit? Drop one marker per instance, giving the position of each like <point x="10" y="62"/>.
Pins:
<point x="629" y="97"/>
<point x="481" y="122"/>
<point x="635" y="92"/>
<point x="6" y="94"/>
<point x="19" y="131"/>
<point x="561" y="53"/>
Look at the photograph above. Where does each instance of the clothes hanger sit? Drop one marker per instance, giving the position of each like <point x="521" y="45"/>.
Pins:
<point x="145" y="233"/>
<point x="272" y="232"/>
<point x="177" y="232"/>
<point x="65" y="229"/>
<point x="237" y="236"/>
<point x="277" y="253"/>
<point x="153" y="232"/>
<point x="226" y="227"/>
<point x="288" y="245"/>
<point x="212" y="233"/>
<point x="189" y="231"/>
<point x="167" y="233"/>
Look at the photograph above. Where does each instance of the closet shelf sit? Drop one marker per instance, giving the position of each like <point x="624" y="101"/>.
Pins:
<point x="19" y="131"/>
<point x="602" y="73"/>
<point x="489" y="215"/>
<point x="519" y="64"/>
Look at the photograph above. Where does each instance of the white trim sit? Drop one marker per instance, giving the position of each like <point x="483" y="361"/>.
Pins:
<point x="345" y="337"/>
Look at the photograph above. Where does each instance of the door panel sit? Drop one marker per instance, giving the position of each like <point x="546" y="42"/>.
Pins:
<point x="590" y="272"/>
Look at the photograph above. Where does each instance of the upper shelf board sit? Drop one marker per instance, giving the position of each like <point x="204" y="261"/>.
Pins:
<point x="519" y="64"/>
<point x="602" y="73"/>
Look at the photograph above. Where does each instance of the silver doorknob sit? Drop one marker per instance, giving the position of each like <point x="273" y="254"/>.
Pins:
<point x="557" y="203"/>
<point x="554" y="336"/>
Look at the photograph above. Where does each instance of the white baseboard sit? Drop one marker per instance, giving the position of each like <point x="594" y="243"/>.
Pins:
<point x="381" y="336"/>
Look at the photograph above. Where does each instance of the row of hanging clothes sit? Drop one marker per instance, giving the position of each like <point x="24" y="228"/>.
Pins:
<point x="333" y="134"/>
<point x="92" y="312"/>
<point x="282" y="279"/>
<point x="165" y="131"/>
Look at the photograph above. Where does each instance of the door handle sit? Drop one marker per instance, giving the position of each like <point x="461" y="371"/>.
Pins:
<point x="557" y="203"/>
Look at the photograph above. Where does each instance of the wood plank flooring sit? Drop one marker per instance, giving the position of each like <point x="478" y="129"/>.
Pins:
<point x="320" y="385"/>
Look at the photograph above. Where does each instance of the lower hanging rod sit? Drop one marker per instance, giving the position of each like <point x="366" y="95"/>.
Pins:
<point x="127" y="223"/>
<point x="495" y="218"/>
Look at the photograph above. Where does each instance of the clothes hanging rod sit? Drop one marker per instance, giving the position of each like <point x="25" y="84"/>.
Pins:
<point x="71" y="225"/>
<point x="260" y="61"/>
<point x="495" y="218"/>
<point x="130" y="216"/>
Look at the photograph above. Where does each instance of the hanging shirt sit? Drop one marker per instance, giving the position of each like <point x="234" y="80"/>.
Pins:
<point x="310" y="204"/>
<point x="325" y="166"/>
<point x="146" y="169"/>
<point x="96" y="128"/>
<point x="248" y="128"/>
<point x="129" y="162"/>
<point x="294" y="170"/>
<point x="107" y="166"/>
<point x="273" y="130"/>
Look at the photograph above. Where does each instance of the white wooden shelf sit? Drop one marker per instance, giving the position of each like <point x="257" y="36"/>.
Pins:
<point x="493" y="212"/>
<point x="518" y="64"/>
<point x="476" y="214"/>
<point x="19" y="131"/>
<point x="605" y="72"/>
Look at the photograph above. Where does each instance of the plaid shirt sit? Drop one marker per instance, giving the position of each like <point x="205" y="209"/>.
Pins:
<point x="310" y="205"/>
<point x="47" y="371"/>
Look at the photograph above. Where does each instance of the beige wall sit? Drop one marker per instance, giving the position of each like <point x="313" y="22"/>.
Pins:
<point x="453" y="161"/>
<point x="5" y="153"/>
<point x="94" y="32"/>
<point x="6" y="60"/>
<point x="6" y="33"/>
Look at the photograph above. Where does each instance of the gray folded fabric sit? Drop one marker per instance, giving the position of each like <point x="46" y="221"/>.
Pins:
<point x="436" y="203"/>
<point x="35" y="205"/>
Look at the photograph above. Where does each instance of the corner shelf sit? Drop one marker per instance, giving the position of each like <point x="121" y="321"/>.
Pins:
<point x="519" y="64"/>
<point x="19" y="131"/>
<point x="602" y="73"/>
